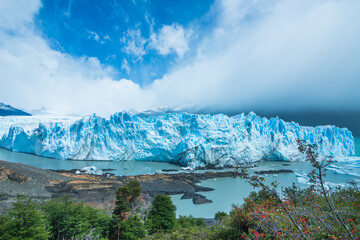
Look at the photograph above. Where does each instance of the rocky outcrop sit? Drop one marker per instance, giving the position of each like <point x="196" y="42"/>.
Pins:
<point x="10" y="174"/>
<point x="201" y="201"/>
<point x="7" y="110"/>
<point x="97" y="190"/>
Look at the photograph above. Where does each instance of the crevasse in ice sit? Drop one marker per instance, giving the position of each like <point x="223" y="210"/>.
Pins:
<point x="188" y="139"/>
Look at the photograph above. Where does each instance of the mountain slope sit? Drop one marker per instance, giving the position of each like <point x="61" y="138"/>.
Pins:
<point x="7" y="110"/>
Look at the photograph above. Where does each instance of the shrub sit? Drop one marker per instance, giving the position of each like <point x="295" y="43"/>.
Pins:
<point x="221" y="216"/>
<point x="318" y="212"/>
<point x="24" y="220"/>
<point x="68" y="219"/>
<point x="193" y="233"/>
<point x="190" y="221"/>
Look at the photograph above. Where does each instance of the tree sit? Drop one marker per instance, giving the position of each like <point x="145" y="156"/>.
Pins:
<point x="24" y="220"/>
<point x="317" y="176"/>
<point x="162" y="217"/>
<point x="132" y="228"/>
<point x="126" y="225"/>
<point x="68" y="219"/>
<point x="221" y="216"/>
<point x="190" y="221"/>
<point x="126" y="197"/>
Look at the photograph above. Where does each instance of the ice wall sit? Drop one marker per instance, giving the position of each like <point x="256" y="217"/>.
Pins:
<point x="188" y="139"/>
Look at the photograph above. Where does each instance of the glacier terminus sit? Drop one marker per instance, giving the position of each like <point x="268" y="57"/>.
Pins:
<point x="194" y="140"/>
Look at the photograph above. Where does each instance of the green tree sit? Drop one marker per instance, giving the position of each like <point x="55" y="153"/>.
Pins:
<point x="67" y="219"/>
<point x="126" y="197"/>
<point x="162" y="217"/>
<point x="132" y="228"/>
<point x="190" y="221"/>
<point x="24" y="220"/>
<point x="126" y="225"/>
<point x="221" y="216"/>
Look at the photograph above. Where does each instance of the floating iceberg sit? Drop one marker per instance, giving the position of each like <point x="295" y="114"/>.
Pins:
<point x="192" y="140"/>
<point x="90" y="170"/>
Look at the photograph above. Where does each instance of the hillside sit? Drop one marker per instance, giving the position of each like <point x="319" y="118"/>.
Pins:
<point x="7" y="110"/>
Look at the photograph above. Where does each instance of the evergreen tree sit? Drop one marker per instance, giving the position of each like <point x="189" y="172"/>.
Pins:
<point x="132" y="228"/>
<point x="125" y="198"/>
<point x="162" y="217"/>
<point x="24" y="220"/>
<point x="126" y="225"/>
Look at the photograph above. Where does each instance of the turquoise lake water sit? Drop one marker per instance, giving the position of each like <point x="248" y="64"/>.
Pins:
<point x="121" y="168"/>
<point x="357" y="146"/>
<point x="228" y="191"/>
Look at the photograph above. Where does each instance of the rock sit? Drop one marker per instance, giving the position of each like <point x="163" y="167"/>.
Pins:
<point x="201" y="201"/>
<point x="169" y="170"/>
<point x="64" y="171"/>
<point x="3" y="174"/>
<point x="210" y="167"/>
<point x="203" y="189"/>
<point x="12" y="175"/>
<point x="167" y="186"/>
<point x="19" y="178"/>
<point x="275" y="171"/>
<point x="233" y="174"/>
<point x="97" y="190"/>
<point x="191" y="195"/>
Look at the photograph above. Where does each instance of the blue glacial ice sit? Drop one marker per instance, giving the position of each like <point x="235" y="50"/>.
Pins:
<point x="193" y="140"/>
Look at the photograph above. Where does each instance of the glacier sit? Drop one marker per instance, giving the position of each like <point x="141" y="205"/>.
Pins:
<point x="194" y="140"/>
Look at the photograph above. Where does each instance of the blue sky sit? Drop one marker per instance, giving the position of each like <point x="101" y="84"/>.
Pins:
<point x="105" y="29"/>
<point x="87" y="56"/>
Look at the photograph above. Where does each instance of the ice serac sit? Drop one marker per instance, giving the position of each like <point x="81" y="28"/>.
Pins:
<point x="188" y="139"/>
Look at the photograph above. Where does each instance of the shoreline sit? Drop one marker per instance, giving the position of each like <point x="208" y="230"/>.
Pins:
<point x="96" y="190"/>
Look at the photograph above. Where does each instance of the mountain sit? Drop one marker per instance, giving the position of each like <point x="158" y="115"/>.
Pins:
<point x="188" y="139"/>
<point x="7" y="110"/>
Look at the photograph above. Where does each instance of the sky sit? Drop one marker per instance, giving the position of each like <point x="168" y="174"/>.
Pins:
<point x="88" y="56"/>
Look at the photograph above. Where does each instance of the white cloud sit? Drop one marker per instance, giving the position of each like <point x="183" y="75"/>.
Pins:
<point x="94" y="36"/>
<point x="135" y="43"/>
<point x="125" y="66"/>
<point x="18" y="13"/>
<point x="67" y="13"/>
<point x="171" y="38"/>
<point x="35" y="76"/>
<point x="284" y="55"/>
